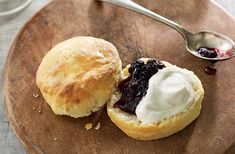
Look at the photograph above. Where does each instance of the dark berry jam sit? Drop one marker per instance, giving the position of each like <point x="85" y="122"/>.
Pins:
<point x="210" y="70"/>
<point x="208" y="52"/>
<point x="134" y="88"/>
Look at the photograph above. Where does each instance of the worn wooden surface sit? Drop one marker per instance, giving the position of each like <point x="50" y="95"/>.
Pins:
<point x="8" y="142"/>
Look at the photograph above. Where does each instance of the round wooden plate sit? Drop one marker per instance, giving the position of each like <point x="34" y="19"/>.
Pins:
<point x="135" y="36"/>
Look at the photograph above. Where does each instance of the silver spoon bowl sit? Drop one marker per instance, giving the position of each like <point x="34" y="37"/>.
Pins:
<point x="205" y="39"/>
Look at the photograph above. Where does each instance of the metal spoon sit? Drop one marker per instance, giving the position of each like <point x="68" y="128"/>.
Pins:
<point x="193" y="42"/>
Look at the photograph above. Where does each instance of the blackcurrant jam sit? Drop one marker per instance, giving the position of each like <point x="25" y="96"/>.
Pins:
<point x="214" y="52"/>
<point x="210" y="70"/>
<point x="208" y="52"/>
<point x="134" y="88"/>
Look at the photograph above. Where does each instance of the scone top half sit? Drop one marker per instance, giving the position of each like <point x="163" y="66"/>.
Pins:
<point x="137" y="129"/>
<point x="78" y="76"/>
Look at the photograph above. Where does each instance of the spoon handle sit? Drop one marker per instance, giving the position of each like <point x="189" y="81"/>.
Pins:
<point x="136" y="7"/>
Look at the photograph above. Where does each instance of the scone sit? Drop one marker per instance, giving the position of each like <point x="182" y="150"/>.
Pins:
<point x="78" y="76"/>
<point x="155" y="99"/>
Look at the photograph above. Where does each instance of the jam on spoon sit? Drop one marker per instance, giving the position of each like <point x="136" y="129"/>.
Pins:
<point x="134" y="87"/>
<point x="214" y="52"/>
<point x="208" y="52"/>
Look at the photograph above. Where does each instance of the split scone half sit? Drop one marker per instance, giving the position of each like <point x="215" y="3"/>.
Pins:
<point x="78" y="76"/>
<point x="166" y="107"/>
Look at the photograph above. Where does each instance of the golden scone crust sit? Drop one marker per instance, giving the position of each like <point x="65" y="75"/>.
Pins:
<point x="78" y="76"/>
<point x="130" y="125"/>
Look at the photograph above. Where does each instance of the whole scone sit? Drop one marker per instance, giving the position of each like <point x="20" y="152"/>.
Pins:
<point x="78" y="76"/>
<point x="139" y="130"/>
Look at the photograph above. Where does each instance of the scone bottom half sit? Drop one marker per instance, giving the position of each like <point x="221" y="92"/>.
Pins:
<point x="78" y="76"/>
<point x="133" y="87"/>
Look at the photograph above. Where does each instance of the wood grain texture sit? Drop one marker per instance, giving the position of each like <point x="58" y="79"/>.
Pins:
<point x="134" y="36"/>
<point x="9" y="27"/>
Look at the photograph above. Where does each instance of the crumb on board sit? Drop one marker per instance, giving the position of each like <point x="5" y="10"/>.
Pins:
<point x="55" y="139"/>
<point x="34" y="108"/>
<point x="35" y="95"/>
<point x="39" y="109"/>
<point x="75" y="134"/>
<point x="97" y="127"/>
<point x="88" y="126"/>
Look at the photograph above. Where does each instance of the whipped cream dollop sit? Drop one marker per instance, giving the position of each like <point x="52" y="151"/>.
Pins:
<point x="170" y="92"/>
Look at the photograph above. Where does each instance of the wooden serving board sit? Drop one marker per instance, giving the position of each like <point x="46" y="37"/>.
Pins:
<point x="135" y="36"/>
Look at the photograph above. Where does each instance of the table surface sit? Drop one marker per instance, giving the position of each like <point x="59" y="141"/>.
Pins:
<point x="9" y="144"/>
